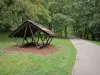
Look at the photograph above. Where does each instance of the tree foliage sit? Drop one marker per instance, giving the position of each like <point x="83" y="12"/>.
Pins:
<point x="81" y="17"/>
<point x="86" y="16"/>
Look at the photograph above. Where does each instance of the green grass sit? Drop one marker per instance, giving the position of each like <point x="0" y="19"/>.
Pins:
<point x="96" y="42"/>
<point x="60" y="63"/>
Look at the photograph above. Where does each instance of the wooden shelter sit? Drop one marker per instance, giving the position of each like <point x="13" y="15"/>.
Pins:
<point x="35" y="31"/>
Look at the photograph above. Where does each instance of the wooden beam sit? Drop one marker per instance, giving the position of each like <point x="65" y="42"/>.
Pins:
<point x="50" y="40"/>
<point x="24" y="35"/>
<point x="32" y="33"/>
<point x="26" y="39"/>
<point x="38" y="38"/>
<point x="46" y="36"/>
<point x="16" y="42"/>
<point x="33" y="36"/>
<point x="47" y="40"/>
<point x="41" y="38"/>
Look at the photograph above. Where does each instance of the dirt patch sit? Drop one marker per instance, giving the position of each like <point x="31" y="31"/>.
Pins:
<point x="43" y="51"/>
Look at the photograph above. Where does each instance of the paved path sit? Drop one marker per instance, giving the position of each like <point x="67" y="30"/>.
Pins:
<point x="88" y="58"/>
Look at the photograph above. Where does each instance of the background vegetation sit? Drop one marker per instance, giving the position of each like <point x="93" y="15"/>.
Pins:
<point x="79" y="17"/>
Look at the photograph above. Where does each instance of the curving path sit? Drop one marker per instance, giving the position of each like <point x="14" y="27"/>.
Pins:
<point x="88" y="58"/>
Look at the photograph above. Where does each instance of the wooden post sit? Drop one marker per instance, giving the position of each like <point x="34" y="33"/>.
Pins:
<point x="38" y="39"/>
<point x="50" y="40"/>
<point x="47" y="40"/>
<point x="26" y="39"/>
<point x="32" y="36"/>
<point x="46" y="36"/>
<point x="41" y="38"/>
<point x="24" y="35"/>
<point x="16" y="42"/>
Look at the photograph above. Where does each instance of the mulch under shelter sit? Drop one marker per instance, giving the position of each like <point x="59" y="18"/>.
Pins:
<point x="30" y="29"/>
<point x="49" y="49"/>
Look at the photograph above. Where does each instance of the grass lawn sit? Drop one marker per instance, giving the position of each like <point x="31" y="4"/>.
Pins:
<point x="59" y="63"/>
<point x="96" y="42"/>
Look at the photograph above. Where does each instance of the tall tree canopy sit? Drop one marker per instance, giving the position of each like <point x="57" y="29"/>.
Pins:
<point x="81" y="17"/>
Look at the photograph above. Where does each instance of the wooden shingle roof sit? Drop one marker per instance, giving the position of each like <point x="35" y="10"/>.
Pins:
<point x="19" y="32"/>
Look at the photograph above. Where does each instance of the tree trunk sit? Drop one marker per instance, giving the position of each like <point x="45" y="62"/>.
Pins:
<point x="87" y="37"/>
<point x="50" y="26"/>
<point x="65" y="31"/>
<point x="92" y="37"/>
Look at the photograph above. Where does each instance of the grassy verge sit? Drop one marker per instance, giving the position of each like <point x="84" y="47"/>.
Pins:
<point x="60" y="63"/>
<point x="96" y="42"/>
